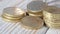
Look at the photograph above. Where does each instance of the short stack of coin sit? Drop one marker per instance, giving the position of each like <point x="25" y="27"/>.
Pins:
<point x="35" y="8"/>
<point x="13" y="14"/>
<point x="52" y="16"/>
<point x="32" y="22"/>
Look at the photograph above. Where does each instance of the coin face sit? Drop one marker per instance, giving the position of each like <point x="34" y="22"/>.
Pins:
<point x="36" y="6"/>
<point x="12" y="11"/>
<point x="32" y="22"/>
<point x="53" y="10"/>
<point x="13" y="14"/>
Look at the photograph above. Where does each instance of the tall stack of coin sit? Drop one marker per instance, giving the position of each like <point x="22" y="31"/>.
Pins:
<point x="13" y="14"/>
<point x="52" y="16"/>
<point x="31" y="22"/>
<point x="35" y="8"/>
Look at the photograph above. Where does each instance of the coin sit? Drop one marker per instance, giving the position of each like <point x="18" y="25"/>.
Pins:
<point x="14" y="17"/>
<point x="53" y="26"/>
<point x="31" y="22"/>
<point x="36" y="7"/>
<point x="52" y="16"/>
<point x="10" y="20"/>
<point x="34" y="15"/>
<point x="10" y="17"/>
<point x="13" y="13"/>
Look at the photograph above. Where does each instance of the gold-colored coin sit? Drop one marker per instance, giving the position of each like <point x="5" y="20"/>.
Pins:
<point x="52" y="16"/>
<point x="34" y="15"/>
<point x="10" y="20"/>
<point x="37" y="13"/>
<point x="13" y="13"/>
<point x="31" y="22"/>
<point x="53" y="26"/>
<point x="51" y="13"/>
<point x="8" y="17"/>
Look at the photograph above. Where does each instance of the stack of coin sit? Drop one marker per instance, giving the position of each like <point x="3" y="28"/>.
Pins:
<point x="31" y="22"/>
<point x="13" y="14"/>
<point x="52" y="16"/>
<point x="35" y="8"/>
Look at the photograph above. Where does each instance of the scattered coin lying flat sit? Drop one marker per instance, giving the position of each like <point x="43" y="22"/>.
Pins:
<point x="31" y="22"/>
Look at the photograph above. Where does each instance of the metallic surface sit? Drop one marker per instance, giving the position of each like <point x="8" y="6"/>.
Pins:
<point x="35" y="15"/>
<point x="13" y="13"/>
<point x="36" y="8"/>
<point x="31" y="22"/>
<point x="52" y="16"/>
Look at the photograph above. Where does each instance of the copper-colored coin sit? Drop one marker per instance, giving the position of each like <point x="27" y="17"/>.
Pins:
<point x="31" y="22"/>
